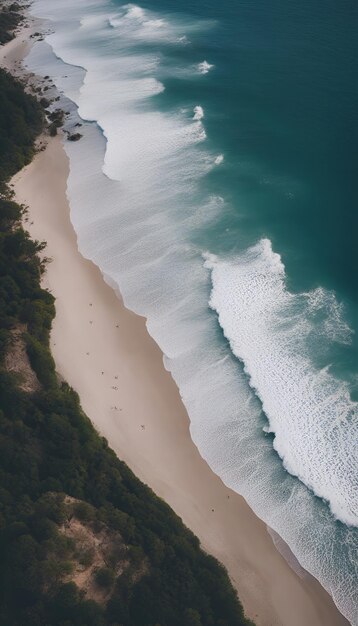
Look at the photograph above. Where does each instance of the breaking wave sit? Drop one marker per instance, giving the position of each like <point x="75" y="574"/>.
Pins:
<point x="275" y="333"/>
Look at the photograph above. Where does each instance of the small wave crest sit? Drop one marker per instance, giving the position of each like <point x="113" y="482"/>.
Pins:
<point x="272" y="331"/>
<point x="204" y="67"/>
<point x="146" y="25"/>
<point x="134" y="12"/>
<point x="198" y="113"/>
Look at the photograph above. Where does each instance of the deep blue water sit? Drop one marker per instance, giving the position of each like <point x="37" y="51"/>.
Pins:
<point x="282" y="105"/>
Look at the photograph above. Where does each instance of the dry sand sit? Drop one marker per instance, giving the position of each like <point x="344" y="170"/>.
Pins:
<point x="13" y="53"/>
<point x="105" y="352"/>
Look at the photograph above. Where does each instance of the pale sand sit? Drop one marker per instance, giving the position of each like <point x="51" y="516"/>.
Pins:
<point x="149" y="430"/>
<point x="94" y="333"/>
<point x="13" y="53"/>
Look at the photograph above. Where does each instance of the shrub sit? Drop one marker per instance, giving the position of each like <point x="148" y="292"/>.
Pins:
<point x="104" y="577"/>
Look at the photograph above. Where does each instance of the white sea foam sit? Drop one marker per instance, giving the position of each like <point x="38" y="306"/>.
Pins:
<point x="136" y="204"/>
<point x="135" y="12"/>
<point x="198" y="113"/>
<point x="138" y="24"/>
<point x="309" y="410"/>
<point x="204" y="67"/>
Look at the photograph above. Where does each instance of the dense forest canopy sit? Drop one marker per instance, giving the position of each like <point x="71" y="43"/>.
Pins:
<point x="57" y="473"/>
<point x="10" y="17"/>
<point x="20" y="123"/>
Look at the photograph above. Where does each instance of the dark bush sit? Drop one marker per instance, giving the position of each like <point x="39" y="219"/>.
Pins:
<point x="104" y="577"/>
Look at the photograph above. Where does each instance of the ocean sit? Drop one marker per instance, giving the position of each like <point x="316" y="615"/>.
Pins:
<point x="215" y="185"/>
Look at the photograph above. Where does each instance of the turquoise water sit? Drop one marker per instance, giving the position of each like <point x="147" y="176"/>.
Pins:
<point x="282" y="106"/>
<point x="214" y="184"/>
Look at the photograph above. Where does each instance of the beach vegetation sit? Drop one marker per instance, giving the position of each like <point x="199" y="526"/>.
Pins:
<point x="21" y="120"/>
<point x="53" y="129"/>
<point x="10" y="17"/>
<point x="105" y="577"/>
<point x="62" y="489"/>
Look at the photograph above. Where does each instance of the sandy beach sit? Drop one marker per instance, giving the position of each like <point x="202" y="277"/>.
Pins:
<point x="104" y="351"/>
<point x="106" y="354"/>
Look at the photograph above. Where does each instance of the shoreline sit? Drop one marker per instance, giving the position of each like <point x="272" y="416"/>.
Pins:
<point x="149" y="428"/>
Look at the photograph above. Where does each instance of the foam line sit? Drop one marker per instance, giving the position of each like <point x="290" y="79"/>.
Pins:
<point x="309" y="410"/>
